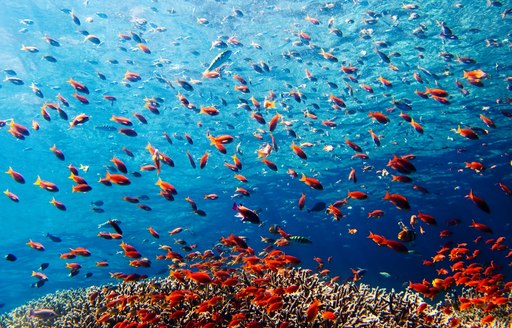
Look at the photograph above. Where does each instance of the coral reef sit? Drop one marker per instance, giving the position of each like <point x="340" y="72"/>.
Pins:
<point x="174" y="302"/>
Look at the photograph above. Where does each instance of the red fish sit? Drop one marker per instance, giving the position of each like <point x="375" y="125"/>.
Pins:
<point x="312" y="182"/>
<point x="119" y="164"/>
<point x="428" y="219"/>
<point x="15" y="175"/>
<point x="357" y="195"/>
<point x="58" y="153"/>
<point x="468" y="133"/>
<point x="118" y="179"/>
<point x="49" y="186"/>
<point x="299" y="151"/>
<point x="353" y="145"/>
<point x="11" y="196"/>
<point x="312" y="311"/>
<point x="58" y="204"/>
<point x="480" y="226"/>
<point x="376" y="214"/>
<point x="352" y="175"/>
<point x="379" y="117"/>
<point x="204" y="160"/>
<point x="478" y="201"/>
<point x="302" y="201"/>
<point x="375" y="138"/>
<point x="398" y="200"/>
<point x="35" y="245"/>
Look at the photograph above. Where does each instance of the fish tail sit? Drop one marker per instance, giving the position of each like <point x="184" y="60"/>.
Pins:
<point x="158" y="182"/>
<point x="9" y="171"/>
<point x="458" y="129"/>
<point x="387" y="195"/>
<point x="38" y="181"/>
<point x="303" y="178"/>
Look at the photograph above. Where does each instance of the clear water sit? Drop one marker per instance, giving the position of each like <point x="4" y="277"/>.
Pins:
<point x="184" y="51"/>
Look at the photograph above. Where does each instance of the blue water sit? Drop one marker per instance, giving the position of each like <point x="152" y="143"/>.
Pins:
<point x="184" y="50"/>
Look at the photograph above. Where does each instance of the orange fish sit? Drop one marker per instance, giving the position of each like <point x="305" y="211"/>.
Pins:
<point x="299" y="151"/>
<point x="46" y="185"/>
<point x="478" y="201"/>
<point x="83" y="187"/>
<point x="436" y="92"/>
<point x="166" y="186"/>
<point x="302" y="201"/>
<point x="211" y="196"/>
<point x="121" y="120"/>
<point x="352" y="175"/>
<point x="241" y="178"/>
<point x="119" y="164"/>
<point x="353" y="145"/>
<point x="12" y="196"/>
<point x="118" y="179"/>
<point x="78" y="86"/>
<point x="328" y="56"/>
<point x="204" y="160"/>
<point x="312" y="182"/>
<point x="468" y="133"/>
<point x="35" y="245"/>
<point x="381" y="118"/>
<point x="337" y="100"/>
<point x="144" y="48"/>
<point x="312" y="311"/>
<point x="376" y="214"/>
<point x="384" y="81"/>
<point x="273" y="122"/>
<point x="357" y="195"/>
<point x="475" y="74"/>
<point x="78" y="120"/>
<point x="16" y="175"/>
<point x="271" y="165"/>
<point x="209" y="110"/>
<point x="58" y="204"/>
<point x="487" y="121"/>
<point x="375" y="138"/>
<point x="58" y="153"/>
<point x="417" y="126"/>
<point x="335" y="212"/>
<point x="398" y="200"/>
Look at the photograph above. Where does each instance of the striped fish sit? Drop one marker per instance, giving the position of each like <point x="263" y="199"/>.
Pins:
<point x="219" y="60"/>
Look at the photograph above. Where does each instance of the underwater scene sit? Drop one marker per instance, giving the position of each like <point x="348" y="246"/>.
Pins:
<point x="256" y="163"/>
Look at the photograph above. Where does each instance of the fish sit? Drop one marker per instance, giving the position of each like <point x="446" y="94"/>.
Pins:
<point x="53" y="238"/>
<point x="219" y="60"/>
<point x="318" y="207"/>
<point x="246" y="214"/>
<point x="10" y="257"/>
<point x="42" y="313"/>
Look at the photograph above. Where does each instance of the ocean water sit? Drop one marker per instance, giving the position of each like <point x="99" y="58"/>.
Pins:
<point x="380" y="38"/>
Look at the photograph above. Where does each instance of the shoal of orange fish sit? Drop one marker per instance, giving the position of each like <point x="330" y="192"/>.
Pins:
<point x="357" y="115"/>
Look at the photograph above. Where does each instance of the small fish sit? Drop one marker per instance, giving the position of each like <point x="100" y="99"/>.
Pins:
<point x="318" y="207"/>
<point x="10" y="257"/>
<point x="53" y="238"/>
<point x="300" y="239"/>
<point x="219" y="60"/>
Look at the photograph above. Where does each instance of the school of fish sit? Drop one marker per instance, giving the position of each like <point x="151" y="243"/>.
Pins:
<point x="377" y="124"/>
